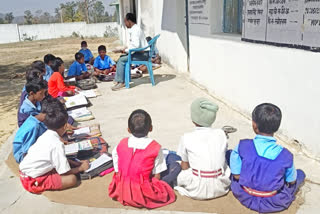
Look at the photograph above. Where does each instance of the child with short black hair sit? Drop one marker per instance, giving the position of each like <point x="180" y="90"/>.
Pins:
<point x="30" y="75"/>
<point x="57" y="87"/>
<point x="48" y="59"/>
<point x="39" y="65"/>
<point x="264" y="177"/>
<point x="31" y="129"/>
<point x="103" y="64"/>
<point x="138" y="162"/>
<point x="205" y="174"/>
<point x="78" y="69"/>
<point x="46" y="167"/>
<point x="88" y="57"/>
<point x="31" y="105"/>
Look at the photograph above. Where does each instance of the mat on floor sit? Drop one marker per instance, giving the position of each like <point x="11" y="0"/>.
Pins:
<point x="94" y="193"/>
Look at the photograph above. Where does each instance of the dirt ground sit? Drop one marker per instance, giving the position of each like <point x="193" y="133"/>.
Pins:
<point x="15" y="59"/>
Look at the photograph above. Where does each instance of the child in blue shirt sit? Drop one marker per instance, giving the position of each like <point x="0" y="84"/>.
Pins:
<point x="103" y="64"/>
<point x="264" y="177"/>
<point x="30" y="75"/>
<point x="31" y="105"/>
<point x="30" y="130"/>
<point x="48" y="59"/>
<point x="88" y="57"/>
<point x="78" y="69"/>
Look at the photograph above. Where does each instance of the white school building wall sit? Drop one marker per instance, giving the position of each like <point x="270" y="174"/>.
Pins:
<point x="9" y="33"/>
<point x="242" y="74"/>
<point x="15" y="33"/>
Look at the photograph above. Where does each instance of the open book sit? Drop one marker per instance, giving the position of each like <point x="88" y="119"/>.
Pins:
<point x="76" y="100"/>
<point x="89" y="93"/>
<point x="99" y="162"/>
<point x="81" y="114"/>
<point x="74" y="148"/>
<point x="88" y="131"/>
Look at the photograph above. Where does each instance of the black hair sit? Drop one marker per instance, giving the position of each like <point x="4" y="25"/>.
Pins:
<point x="267" y="117"/>
<point x="148" y="38"/>
<point x="47" y="58"/>
<point x="56" y="63"/>
<point x="36" y="85"/>
<point x="131" y="17"/>
<point x="78" y="56"/>
<point x="102" y="48"/>
<point x="50" y="101"/>
<point x="139" y="123"/>
<point x="83" y="43"/>
<point x="56" y="115"/>
<point x="32" y="74"/>
<point x="39" y="65"/>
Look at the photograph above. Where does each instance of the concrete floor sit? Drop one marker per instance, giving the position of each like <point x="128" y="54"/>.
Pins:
<point x="168" y="104"/>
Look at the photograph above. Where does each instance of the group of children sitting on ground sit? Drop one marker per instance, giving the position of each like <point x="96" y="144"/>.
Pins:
<point x="259" y="172"/>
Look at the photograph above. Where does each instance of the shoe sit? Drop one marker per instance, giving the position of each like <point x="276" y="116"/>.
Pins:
<point x="118" y="87"/>
<point x="114" y="82"/>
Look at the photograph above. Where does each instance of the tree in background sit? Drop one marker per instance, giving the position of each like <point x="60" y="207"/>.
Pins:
<point x="70" y="12"/>
<point x="8" y="18"/>
<point x="97" y="12"/>
<point x="36" y="17"/>
<point x="28" y="17"/>
<point x="114" y="17"/>
<point x="1" y="21"/>
<point x="46" y="18"/>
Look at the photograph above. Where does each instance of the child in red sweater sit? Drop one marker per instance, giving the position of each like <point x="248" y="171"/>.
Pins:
<point x="138" y="162"/>
<point x="56" y="86"/>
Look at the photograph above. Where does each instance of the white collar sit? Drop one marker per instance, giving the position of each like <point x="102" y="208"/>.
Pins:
<point x="139" y="143"/>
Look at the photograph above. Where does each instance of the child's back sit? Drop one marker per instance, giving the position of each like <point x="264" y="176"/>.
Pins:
<point x="26" y="136"/>
<point x="264" y="177"/>
<point x="204" y="150"/>
<point x="134" y="183"/>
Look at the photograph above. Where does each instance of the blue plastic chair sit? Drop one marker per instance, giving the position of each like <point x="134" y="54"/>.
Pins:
<point x="127" y="75"/>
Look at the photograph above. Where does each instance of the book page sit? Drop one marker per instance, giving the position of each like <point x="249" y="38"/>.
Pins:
<point x="85" y="130"/>
<point x="88" y="93"/>
<point x="98" y="162"/>
<point x="79" y="112"/>
<point x="76" y="100"/>
<point x="71" y="148"/>
<point x="85" y="145"/>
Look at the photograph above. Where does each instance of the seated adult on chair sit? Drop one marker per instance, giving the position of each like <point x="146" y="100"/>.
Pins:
<point x="136" y="40"/>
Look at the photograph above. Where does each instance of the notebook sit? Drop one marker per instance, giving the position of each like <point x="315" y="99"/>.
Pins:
<point x="99" y="162"/>
<point x="76" y="100"/>
<point x="89" y="93"/>
<point x="75" y="113"/>
<point x="74" y="148"/>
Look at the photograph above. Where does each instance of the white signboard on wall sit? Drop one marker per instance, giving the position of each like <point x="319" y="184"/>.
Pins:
<point x="293" y="23"/>
<point x="198" y="12"/>
<point x="254" y="26"/>
<point x="311" y="25"/>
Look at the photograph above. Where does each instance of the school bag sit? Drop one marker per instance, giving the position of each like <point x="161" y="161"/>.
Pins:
<point x="86" y="84"/>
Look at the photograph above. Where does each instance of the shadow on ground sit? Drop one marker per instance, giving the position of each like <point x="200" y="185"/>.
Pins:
<point x="10" y="71"/>
<point x="157" y="79"/>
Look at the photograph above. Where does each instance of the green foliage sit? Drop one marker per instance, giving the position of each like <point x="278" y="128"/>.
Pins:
<point x="69" y="11"/>
<point x="97" y="12"/>
<point x="28" y="17"/>
<point x="90" y="11"/>
<point x="75" y="34"/>
<point x="8" y="18"/>
<point x="25" y="37"/>
<point x="110" y="32"/>
<point x="1" y="21"/>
